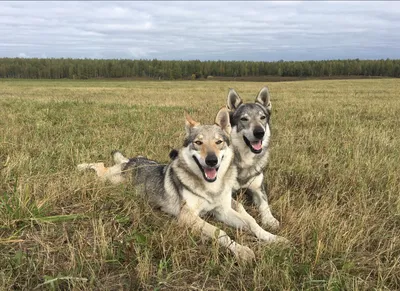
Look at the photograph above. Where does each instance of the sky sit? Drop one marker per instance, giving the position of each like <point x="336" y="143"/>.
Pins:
<point x="209" y="30"/>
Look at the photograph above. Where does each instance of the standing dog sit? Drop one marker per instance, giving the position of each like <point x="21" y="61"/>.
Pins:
<point x="250" y="137"/>
<point x="198" y="180"/>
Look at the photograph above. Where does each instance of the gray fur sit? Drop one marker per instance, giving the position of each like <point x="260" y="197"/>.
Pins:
<point x="199" y="179"/>
<point x="162" y="184"/>
<point x="149" y="177"/>
<point x="246" y="119"/>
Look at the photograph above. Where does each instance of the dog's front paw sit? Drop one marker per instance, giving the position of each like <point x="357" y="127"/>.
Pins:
<point x="282" y="241"/>
<point x="244" y="254"/>
<point x="271" y="222"/>
<point x="277" y="240"/>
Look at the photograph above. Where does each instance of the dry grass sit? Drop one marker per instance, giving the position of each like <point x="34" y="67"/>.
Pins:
<point x="333" y="180"/>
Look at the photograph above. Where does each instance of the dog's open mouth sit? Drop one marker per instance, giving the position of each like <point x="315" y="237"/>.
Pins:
<point x="255" y="146"/>
<point x="209" y="173"/>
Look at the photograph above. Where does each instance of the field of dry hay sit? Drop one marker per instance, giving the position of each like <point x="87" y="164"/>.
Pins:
<point x="333" y="182"/>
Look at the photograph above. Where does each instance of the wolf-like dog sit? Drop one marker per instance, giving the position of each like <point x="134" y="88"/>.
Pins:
<point x="250" y="138"/>
<point x="198" y="180"/>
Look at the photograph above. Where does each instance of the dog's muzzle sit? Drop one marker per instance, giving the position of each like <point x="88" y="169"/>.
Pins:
<point x="210" y="171"/>
<point x="258" y="133"/>
<point x="255" y="146"/>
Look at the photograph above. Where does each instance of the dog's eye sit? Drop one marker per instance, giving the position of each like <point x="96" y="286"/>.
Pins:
<point x="263" y="117"/>
<point x="198" y="142"/>
<point x="218" y="142"/>
<point x="244" y="119"/>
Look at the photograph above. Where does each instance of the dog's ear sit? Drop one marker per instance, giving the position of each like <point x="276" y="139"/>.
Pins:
<point x="173" y="154"/>
<point x="222" y="120"/>
<point x="233" y="100"/>
<point x="190" y="123"/>
<point x="264" y="99"/>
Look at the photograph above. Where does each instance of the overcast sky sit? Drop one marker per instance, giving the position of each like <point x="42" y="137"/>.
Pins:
<point x="265" y="31"/>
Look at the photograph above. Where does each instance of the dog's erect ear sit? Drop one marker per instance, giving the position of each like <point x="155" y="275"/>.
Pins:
<point x="173" y="154"/>
<point x="233" y="100"/>
<point x="222" y="120"/>
<point x="264" y="99"/>
<point x="190" y="123"/>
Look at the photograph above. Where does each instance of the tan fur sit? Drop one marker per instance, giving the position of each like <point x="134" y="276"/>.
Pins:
<point x="190" y="121"/>
<point x="209" y="147"/>
<point x="113" y="174"/>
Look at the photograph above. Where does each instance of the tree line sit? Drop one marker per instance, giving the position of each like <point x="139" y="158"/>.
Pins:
<point x="50" y="68"/>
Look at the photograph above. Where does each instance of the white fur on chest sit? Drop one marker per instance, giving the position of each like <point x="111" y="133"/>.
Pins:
<point x="248" y="163"/>
<point x="206" y="203"/>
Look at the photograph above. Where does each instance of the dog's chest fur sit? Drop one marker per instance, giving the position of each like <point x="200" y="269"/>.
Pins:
<point x="249" y="165"/>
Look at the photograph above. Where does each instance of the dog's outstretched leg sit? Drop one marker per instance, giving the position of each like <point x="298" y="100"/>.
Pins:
<point x="189" y="218"/>
<point x="237" y="215"/>
<point x="98" y="167"/>
<point x="113" y="174"/>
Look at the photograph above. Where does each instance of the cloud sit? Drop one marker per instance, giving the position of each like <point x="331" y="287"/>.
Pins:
<point x="139" y="53"/>
<point x="23" y="55"/>
<point x="258" y="30"/>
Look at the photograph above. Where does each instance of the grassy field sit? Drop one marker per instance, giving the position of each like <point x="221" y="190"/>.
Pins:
<point x="333" y="182"/>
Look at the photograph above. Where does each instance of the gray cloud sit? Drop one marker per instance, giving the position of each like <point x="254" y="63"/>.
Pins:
<point x="201" y="30"/>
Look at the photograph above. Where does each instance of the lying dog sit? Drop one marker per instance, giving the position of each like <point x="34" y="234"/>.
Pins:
<point x="198" y="180"/>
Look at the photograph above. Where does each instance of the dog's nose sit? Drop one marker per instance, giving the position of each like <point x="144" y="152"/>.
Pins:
<point x="259" y="132"/>
<point x="211" y="160"/>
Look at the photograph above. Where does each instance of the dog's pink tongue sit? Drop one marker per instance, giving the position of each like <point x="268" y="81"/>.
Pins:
<point x="211" y="173"/>
<point x="257" y="145"/>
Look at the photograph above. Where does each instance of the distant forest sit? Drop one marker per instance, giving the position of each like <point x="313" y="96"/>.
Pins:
<point x="33" y="68"/>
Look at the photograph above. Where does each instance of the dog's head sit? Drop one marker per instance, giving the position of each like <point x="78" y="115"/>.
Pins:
<point x="208" y="144"/>
<point x="250" y="121"/>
